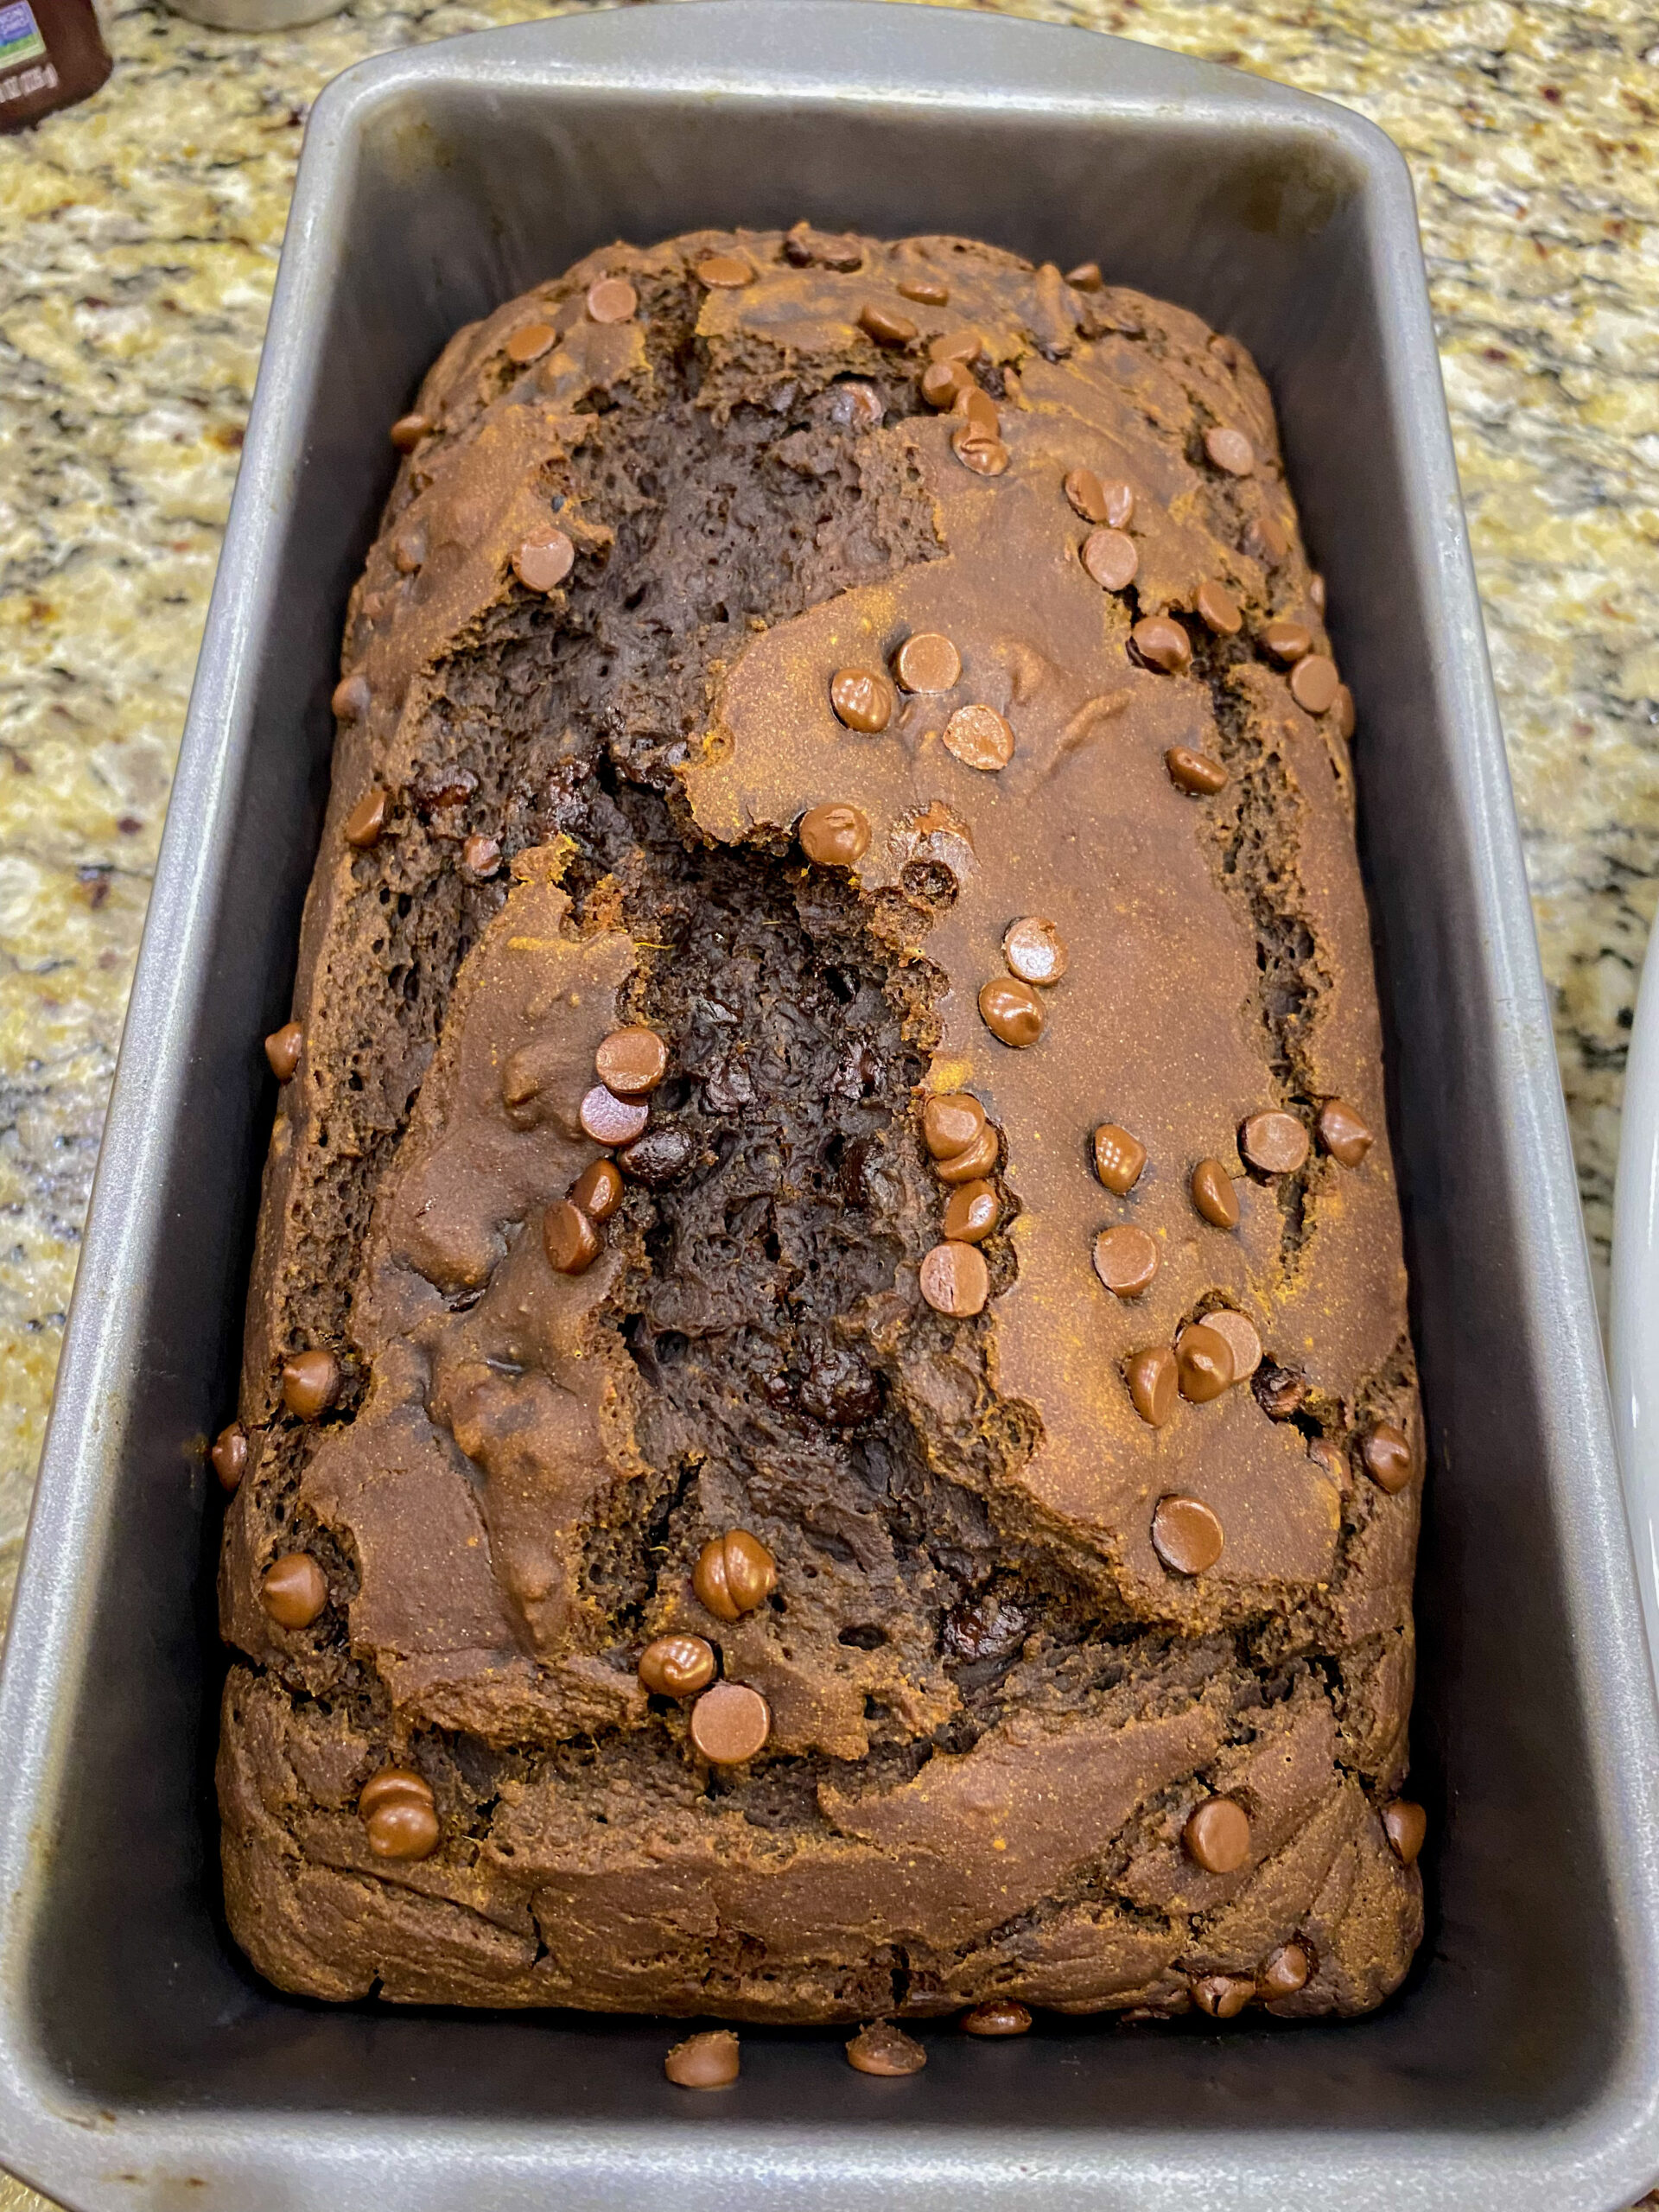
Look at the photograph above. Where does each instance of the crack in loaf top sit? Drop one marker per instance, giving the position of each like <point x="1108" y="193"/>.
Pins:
<point x="1164" y="1023"/>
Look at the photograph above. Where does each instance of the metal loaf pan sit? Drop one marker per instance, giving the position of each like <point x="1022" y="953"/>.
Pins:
<point x="140" y="2061"/>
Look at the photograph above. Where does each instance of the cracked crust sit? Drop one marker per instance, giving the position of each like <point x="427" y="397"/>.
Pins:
<point x="992" y="1709"/>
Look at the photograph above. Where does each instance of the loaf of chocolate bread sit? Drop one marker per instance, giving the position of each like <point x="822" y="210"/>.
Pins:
<point x="828" y="1427"/>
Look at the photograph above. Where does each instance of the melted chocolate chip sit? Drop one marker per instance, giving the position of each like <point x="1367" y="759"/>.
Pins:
<point x="1119" y="1158"/>
<point x="310" y="1381"/>
<point x="676" y="1666"/>
<point x="612" y="299"/>
<point x="726" y="272"/>
<point x="530" y="341"/>
<point x="1085" y="277"/>
<point x="733" y="1575"/>
<point x="887" y="327"/>
<point x="283" y="1050"/>
<point x="1193" y="772"/>
<point x="402" y="1827"/>
<point x="979" y="1159"/>
<point x="834" y="835"/>
<point x="351" y="699"/>
<point x="1229" y="450"/>
<point x="1341" y="1133"/>
<point x="1012" y="1011"/>
<point x="730" y="1723"/>
<point x="972" y="1213"/>
<point x="926" y="291"/>
<point x="230" y="1456"/>
<point x="1288" y="641"/>
<point x="599" y="1190"/>
<point x="1203" y="1360"/>
<point x="986" y="457"/>
<point x="862" y="699"/>
<point x="632" y="1062"/>
<point x="569" y="1238"/>
<point x="1162" y="643"/>
<point x="1314" y="683"/>
<point x="1273" y="1143"/>
<point x="294" y="1590"/>
<point x="1406" y="1825"/>
<point x="1151" y="1378"/>
<point x="1217" y="1835"/>
<point x="1280" y="1391"/>
<point x="1035" y="951"/>
<point x="408" y="431"/>
<point x="1386" y="1455"/>
<point x="997" y="2015"/>
<point x="366" y="823"/>
<point x="609" y="1120"/>
<point x="1087" y="495"/>
<point x="1213" y="1194"/>
<point x="1111" y="558"/>
<point x="979" y="738"/>
<point x="951" y="1121"/>
<point x="839" y="1389"/>
<point x="704" y="2062"/>
<point x="1126" y="1260"/>
<point x="988" y="1628"/>
<point x="1222" y="1996"/>
<point x="883" y="2050"/>
<point x="543" y="560"/>
<point x="955" y="1281"/>
<point x="1185" y="1535"/>
<point x="1282" y="1972"/>
<point x="942" y="381"/>
<point x="927" y="662"/>
<point x="1217" y="609"/>
<point x="1241" y="1338"/>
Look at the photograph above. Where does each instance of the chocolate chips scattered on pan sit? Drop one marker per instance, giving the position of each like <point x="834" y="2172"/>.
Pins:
<point x="997" y="2015"/>
<point x="708" y="2061"/>
<point x="883" y="2049"/>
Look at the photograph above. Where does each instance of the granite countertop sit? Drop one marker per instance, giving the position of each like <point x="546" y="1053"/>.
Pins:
<point x="139" y="242"/>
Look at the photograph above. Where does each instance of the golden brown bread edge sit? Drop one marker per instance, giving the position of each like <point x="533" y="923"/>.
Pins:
<point x="917" y="1835"/>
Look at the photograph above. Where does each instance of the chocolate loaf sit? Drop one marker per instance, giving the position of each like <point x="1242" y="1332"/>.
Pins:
<point x="828" y="1427"/>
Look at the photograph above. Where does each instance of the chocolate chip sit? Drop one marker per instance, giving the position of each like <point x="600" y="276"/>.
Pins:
<point x="1217" y="609"/>
<point x="1194" y="771"/>
<point x="1229" y="450"/>
<point x="609" y="1120"/>
<point x="1288" y="641"/>
<point x="352" y="698"/>
<point x="834" y="835"/>
<point x="1119" y="1158"/>
<point x="569" y="1238"/>
<point x="979" y="738"/>
<point x="1241" y="1338"/>
<point x="973" y="1212"/>
<point x="612" y="299"/>
<point x="955" y="1281"/>
<point x="1126" y="1260"/>
<point x="726" y="272"/>
<point x="1406" y="1825"/>
<point x="1282" y="1972"/>
<point x="803" y="246"/>
<point x="927" y="662"/>
<point x="657" y="1158"/>
<point x="839" y="1389"/>
<point x="730" y="1723"/>
<point x="310" y="1381"/>
<point x="1341" y="1133"/>
<point x="967" y="1166"/>
<point x="1222" y="1996"/>
<point x="1217" y="1835"/>
<point x="1203" y="1360"/>
<point x="366" y="823"/>
<point x="283" y="1050"/>
<point x="543" y="560"/>
<point x="886" y="327"/>
<point x="1012" y="1011"/>
<point x="1119" y="498"/>
<point x="1085" y="277"/>
<point x="705" y="2062"/>
<point x="956" y="346"/>
<point x="632" y="1061"/>
<point x="989" y="1627"/>
<point x="733" y="1575"/>
<point x="1150" y="1379"/>
<point x="1316" y="591"/>
<point x="1086" y="494"/>
<point x="408" y="431"/>
<point x="294" y="1590"/>
<point x="1162" y="643"/>
<point x="676" y="1666"/>
<point x="997" y="2015"/>
<point x="1273" y="1143"/>
<point x="979" y="409"/>
<point x="230" y="1456"/>
<point x="1264" y="538"/>
<point x="1185" y="1535"/>
<point x="1213" y="1194"/>
<point x="481" y="856"/>
<point x="926" y="291"/>
<point x="599" y="1190"/>
<point x="1386" y="1454"/>
<point x="1035" y="951"/>
<point x="1343" y="714"/>
<point x="857" y="405"/>
<point x="951" y="1121"/>
<point x="530" y="341"/>
<point x="942" y="381"/>
<point x="1111" y="558"/>
<point x="1280" y="1391"/>
<point x="986" y="457"/>
<point x="1331" y="1462"/>
<point x="1314" y="685"/>
<point x="881" y="2048"/>
<point x="862" y="699"/>
<point x="393" y="1783"/>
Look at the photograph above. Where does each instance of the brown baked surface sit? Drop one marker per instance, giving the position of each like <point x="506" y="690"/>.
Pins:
<point x="993" y="1705"/>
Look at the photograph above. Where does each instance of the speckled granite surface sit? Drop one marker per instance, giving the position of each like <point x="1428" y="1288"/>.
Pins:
<point x="139" y="242"/>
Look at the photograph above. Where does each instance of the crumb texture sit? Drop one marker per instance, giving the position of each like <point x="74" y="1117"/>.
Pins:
<point x="761" y="625"/>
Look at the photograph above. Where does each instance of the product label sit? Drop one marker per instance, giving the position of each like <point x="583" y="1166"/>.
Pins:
<point x="20" y="35"/>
